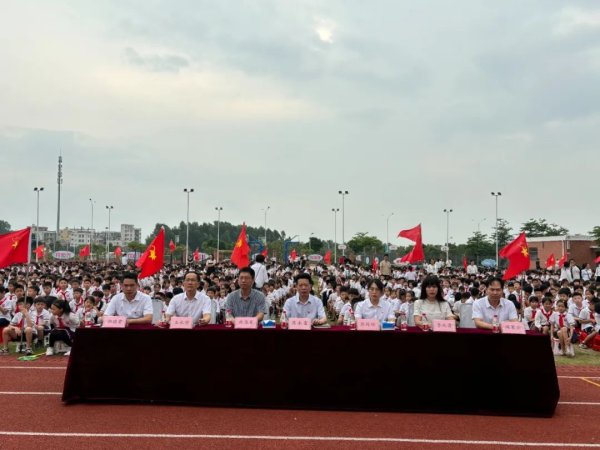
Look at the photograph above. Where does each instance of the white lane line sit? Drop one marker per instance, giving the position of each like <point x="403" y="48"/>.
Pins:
<point x="29" y="393"/>
<point x="41" y="367"/>
<point x="576" y="378"/>
<point x="300" y="438"/>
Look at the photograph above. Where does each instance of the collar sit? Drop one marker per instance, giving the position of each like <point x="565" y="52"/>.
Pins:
<point x="308" y="301"/>
<point x="488" y="304"/>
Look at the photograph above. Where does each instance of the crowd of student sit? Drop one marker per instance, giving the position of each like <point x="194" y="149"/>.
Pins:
<point x="45" y="306"/>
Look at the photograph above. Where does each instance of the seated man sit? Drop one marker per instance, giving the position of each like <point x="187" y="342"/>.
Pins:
<point x="131" y="303"/>
<point x="303" y="304"/>
<point x="246" y="302"/>
<point x="191" y="303"/>
<point x="485" y="308"/>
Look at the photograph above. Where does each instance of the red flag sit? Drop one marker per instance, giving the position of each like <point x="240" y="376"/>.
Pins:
<point x="265" y="252"/>
<point x="415" y="255"/>
<point x="517" y="254"/>
<point x="85" y="251"/>
<point x="118" y="251"/>
<point x="39" y="251"/>
<point x="171" y="246"/>
<point x="196" y="255"/>
<point x="327" y="257"/>
<point x="550" y="262"/>
<point x="597" y="260"/>
<point x="241" y="251"/>
<point x="465" y="264"/>
<point x="293" y="255"/>
<point x="375" y="264"/>
<point x="152" y="260"/>
<point x="14" y="247"/>
<point x="562" y="260"/>
<point x="412" y="234"/>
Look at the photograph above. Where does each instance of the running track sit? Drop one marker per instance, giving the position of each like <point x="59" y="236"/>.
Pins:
<point x="31" y="392"/>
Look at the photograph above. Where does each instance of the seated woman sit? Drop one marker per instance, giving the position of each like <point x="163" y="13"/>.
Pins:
<point x="374" y="307"/>
<point x="432" y="302"/>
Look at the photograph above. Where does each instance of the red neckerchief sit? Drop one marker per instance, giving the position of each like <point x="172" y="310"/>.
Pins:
<point x="37" y="319"/>
<point x="533" y="313"/>
<point x="78" y="305"/>
<point x="61" y="324"/>
<point x="547" y="316"/>
<point x="561" y="320"/>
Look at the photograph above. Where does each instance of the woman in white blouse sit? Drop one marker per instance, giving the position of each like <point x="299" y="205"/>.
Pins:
<point x="432" y="302"/>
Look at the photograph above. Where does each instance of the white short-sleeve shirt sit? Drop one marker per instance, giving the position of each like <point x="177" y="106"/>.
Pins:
<point x="182" y="306"/>
<point x="483" y="310"/>
<point x="383" y="311"/>
<point x="312" y="309"/>
<point x="139" y="307"/>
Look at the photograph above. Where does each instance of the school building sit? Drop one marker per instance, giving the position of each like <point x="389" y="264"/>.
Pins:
<point x="583" y="249"/>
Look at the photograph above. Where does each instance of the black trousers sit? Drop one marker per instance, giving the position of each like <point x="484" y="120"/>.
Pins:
<point x="65" y="335"/>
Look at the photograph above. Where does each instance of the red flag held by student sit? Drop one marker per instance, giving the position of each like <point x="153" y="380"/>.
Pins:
<point x="85" y="251"/>
<point x="152" y="260"/>
<point x="265" y="252"/>
<point x="241" y="251"/>
<point x="293" y="255"/>
<point x="327" y="257"/>
<point x="118" y="251"/>
<point x="562" y="260"/>
<point x="517" y="253"/>
<point x="375" y="264"/>
<point x="550" y="262"/>
<point x="465" y="263"/>
<point x="39" y="251"/>
<point x="197" y="255"/>
<point x="171" y="246"/>
<point x="14" y="247"/>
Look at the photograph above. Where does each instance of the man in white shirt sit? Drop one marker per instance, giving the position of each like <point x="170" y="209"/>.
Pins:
<point x="303" y="304"/>
<point x="485" y="308"/>
<point x="472" y="268"/>
<point x="260" y="270"/>
<point x="375" y="307"/>
<point x="131" y="303"/>
<point x="191" y="303"/>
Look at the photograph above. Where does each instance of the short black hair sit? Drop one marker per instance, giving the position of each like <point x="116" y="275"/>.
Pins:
<point x="260" y="258"/>
<point x="130" y="276"/>
<point x="495" y="280"/>
<point x="249" y="270"/>
<point x="62" y="304"/>
<point x="377" y="282"/>
<point x="187" y="272"/>
<point x="303" y="276"/>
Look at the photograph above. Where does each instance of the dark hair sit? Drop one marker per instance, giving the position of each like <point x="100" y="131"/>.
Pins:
<point x="377" y="282"/>
<point x="248" y="270"/>
<point x="212" y="289"/>
<point x="561" y="302"/>
<point x="130" y="276"/>
<point x="533" y="298"/>
<point x="260" y="258"/>
<point x="187" y="272"/>
<point x="429" y="281"/>
<point x="40" y="299"/>
<point x="495" y="280"/>
<point x="62" y="304"/>
<point x="303" y="276"/>
<point x="564" y="291"/>
<point x="177" y="291"/>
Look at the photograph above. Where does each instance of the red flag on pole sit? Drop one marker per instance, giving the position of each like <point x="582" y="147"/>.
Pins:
<point x="562" y="260"/>
<point x="465" y="263"/>
<point x="118" y="251"/>
<point x="550" y="262"/>
<point x="327" y="257"/>
<point x="171" y="246"/>
<point x="152" y="260"/>
<point x="417" y="253"/>
<point x="293" y="255"/>
<point x="39" y="251"/>
<point x="517" y="254"/>
<point x="15" y="247"/>
<point x="597" y="260"/>
<point x="241" y="251"/>
<point x="411" y="234"/>
<point x="265" y="252"/>
<point x="197" y="255"/>
<point x="85" y="251"/>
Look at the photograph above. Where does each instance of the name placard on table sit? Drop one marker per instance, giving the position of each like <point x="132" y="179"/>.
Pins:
<point x="246" y="323"/>
<point x="114" y="322"/>
<point x="181" y="323"/>
<point x="512" y="328"/>
<point x="445" y="326"/>
<point x="368" y="325"/>
<point x="299" y="323"/>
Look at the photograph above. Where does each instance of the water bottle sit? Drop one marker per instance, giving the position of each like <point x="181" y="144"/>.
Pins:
<point x="352" y="319"/>
<point x="88" y="321"/>
<point x="403" y="322"/>
<point x="228" y="318"/>
<point x="283" y="321"/>
<point x="495" y="324"/>
<point x="424" y="322"/>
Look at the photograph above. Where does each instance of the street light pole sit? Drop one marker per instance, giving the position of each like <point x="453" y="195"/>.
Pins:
<point x="92" y="225"/>
<point x="335" y="211"/>
<point x="496" y="194"/>
<point x="266" y="210"/>
<point x="447" y="211"/>
<point x="387" y="233"/>
<point x="37" y="190"/>
<point x="343" y="194"/>
<point x="218" y="209"/>
<point x="188" y="191"/>
<point x="109" y="208"/>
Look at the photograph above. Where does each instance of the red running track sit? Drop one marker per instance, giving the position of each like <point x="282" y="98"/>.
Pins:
<point x="163" y="425"/>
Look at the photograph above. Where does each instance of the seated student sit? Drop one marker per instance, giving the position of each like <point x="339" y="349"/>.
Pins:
<point x="542" y="319"/>
<point x="531" y="311"/>
<point x="374" y="307"/>
<point x="40" y="318"/>
<point x="562" y="327"/>
<point x="463" y="308"/>
<point x="88" y="314"/>
<point x="594" y="307"/>
<point x="64" y="323"/>
<point x="14" y="331"/>
<point x="131" y="303"/>
<point x="7" y="307"/>
<point x="190" y="303"/>
<point x="574" y="309"/>
<point x="586" y="321"/>
<point x="304" y="304"/>
<point x="408" y="307"/>
<point x="78" y="300"/>
<point x="215" y="309"/>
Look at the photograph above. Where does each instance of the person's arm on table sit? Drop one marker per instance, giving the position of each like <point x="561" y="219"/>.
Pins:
<point x="478" y="317"/>
<point x="321" y="316"/>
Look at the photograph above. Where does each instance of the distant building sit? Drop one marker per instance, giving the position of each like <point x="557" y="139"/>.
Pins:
<point x="583" y="249"/>
<point x="130" y="234"/>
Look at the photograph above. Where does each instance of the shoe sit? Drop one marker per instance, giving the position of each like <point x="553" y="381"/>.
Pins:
<point x="583" y="346"/>
<point x="3" y="351"/>
<point x="28" y="352"/>
<point x="18" y="348"/>
<point x="68" y="353"/>
<point x="49" y="351"/>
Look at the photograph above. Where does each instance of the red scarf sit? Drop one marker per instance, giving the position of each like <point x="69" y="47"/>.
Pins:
<point x="61" y="324"/>
<point x="533" y="313"/>
<point x="561" y="320"/>
<point x="20" y="324"/>
<point x="547" y="316"/>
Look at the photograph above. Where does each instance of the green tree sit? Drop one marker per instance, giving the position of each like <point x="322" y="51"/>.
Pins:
<point x="479" y="247"/>
<point x="504" y="233"/>
<point x="362" y="241"/>
<point x="540" y="227"/>
<point x="4" y="226"/>
<point x="596" y="233"/>
<point x="316" y="244"/>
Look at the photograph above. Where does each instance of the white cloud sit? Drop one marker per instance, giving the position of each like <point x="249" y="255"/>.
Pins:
<point x="571" y="20"/>
<point x="324" y="29"/>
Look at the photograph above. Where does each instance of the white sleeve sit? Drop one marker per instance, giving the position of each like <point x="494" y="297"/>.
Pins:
<point x="111" y="308"/>
<point x="477" y="312"/>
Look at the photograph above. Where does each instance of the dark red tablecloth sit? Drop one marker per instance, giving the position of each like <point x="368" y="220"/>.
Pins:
<point x="470" y="371"/>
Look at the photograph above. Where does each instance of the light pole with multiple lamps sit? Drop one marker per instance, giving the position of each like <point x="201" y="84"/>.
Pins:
<point x="496" y="194"/>
<point x="188" y="191"/>
<point x="335" y="211"/>
<point x="387" y="233"/>
<point x="109" y="208"/>
<point x="37" y="190"/>
<point x="447" y="211"/>
<point x="343" y="194"/>
<point x="218" y="209"/>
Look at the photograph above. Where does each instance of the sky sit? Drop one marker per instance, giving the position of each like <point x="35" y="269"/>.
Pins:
<point x="412" y="107"/>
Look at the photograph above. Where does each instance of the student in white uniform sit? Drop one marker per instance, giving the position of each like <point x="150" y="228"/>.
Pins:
<point x="562" y="328"/>
<point x="64" y="324"/>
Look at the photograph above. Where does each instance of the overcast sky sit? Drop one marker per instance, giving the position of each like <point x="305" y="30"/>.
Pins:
<point x="412" y="107"/>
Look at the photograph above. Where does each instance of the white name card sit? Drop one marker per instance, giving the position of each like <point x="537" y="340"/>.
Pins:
<point x="114" y="322"/>
<point x="368" y="325"/>
<point x="246" y="323"/>
<point x="445" y="326"/>
<point x="299" y="323"/>
<point x="181" y="323"/>
<point x="512" y="328"/>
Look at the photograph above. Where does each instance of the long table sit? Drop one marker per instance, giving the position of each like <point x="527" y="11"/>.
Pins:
<point x="471" y="371"/>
